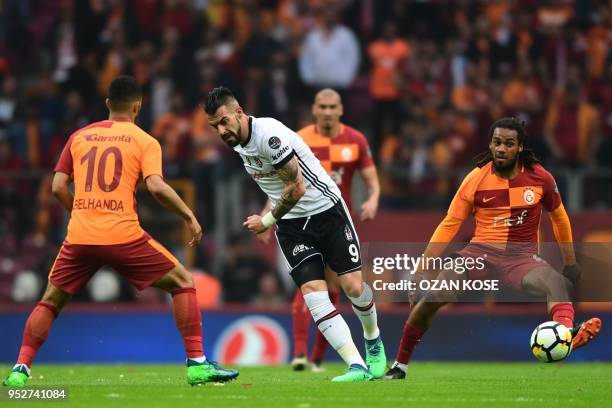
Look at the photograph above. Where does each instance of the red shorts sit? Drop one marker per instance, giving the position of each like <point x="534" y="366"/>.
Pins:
<point x="141" y="262"/>
<point x="509" y="266"/>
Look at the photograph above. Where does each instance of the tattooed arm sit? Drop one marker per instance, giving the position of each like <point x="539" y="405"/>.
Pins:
<point x="294" y="189"/>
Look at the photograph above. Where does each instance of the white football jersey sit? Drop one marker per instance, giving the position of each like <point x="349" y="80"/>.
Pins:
<point x="269" y="146"/>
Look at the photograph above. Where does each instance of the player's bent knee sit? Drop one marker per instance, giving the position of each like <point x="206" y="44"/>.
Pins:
<point x="560" y="289"/>
<point x="183" y="277"/>
<point x="353" y="290"/>
<point x="176" y="278"/>
<point x="55" y="296"/>
<point x="431" y="308"/>
<point x="351" y="284"/>
<point x="306" y="274"/>
<point x="547" y="280"/>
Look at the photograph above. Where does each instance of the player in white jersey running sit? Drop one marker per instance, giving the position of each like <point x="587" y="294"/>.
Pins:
<point x="313" y="226"/>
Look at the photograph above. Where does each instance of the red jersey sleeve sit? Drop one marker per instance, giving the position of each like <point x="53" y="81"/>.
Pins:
<point x="551" y="199"/>
<point x="365" y="154"/>
<point x="64" y="163"/>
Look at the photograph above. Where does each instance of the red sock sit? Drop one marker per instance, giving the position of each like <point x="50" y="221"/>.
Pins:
<point x="320" y="343"/>
<point x="36" y="330"/>
<point x="188" y="320"/>
<point x="301" y="325"/>
<point x="410" y="337"/>
<point x="563" y="313"/>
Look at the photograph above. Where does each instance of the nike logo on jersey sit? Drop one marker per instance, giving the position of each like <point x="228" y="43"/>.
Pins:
<point x="487" y="199"/>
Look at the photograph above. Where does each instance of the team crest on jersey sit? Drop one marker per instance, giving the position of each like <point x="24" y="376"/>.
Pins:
<point x="529" y="196"/>
<point x="348" y="233"/>
<point x="253" y="161"/>
<point x="274" y="142"/>
<point x="347" y="154"/>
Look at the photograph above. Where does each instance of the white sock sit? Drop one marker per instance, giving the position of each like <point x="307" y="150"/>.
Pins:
<point x="333" y="326"/>
<point x="401" y="366"/>
<point x="368" y="317"/>
<point x="198" y="359"/>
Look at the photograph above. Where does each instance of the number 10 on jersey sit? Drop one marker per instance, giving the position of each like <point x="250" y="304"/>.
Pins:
<point x="90" y="158"/>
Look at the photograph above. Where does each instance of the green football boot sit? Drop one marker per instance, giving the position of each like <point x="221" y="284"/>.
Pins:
<point x="17" y="377"/>
<point x="375" y="357"/>
<point x="208" y="371"/>
<point x="355" y="373"/>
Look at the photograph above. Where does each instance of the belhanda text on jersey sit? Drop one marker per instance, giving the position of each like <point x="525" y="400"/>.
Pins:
<point x="97" y="204"/>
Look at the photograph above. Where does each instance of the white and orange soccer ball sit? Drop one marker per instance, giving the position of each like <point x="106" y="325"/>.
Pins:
<point x="551" y="342"/>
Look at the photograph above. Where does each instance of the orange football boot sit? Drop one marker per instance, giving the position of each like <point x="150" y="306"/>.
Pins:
<point x="585" y="332"/>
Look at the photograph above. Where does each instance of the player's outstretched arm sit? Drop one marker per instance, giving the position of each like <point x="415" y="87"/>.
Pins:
<point x="442" y="236"/>
<point x="171" y="200"/>
<point x="562" y="229"/>
<point x="370" y="207"/>
<point x="293" y="190"/>
<point x="60" y="187"/>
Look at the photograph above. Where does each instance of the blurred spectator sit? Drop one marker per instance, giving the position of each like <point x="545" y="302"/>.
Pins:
<point x="65" y="52"/>
<point x="14" y="191"/>
<point x="261" y="44"/>
<point x="270" y="291"/>
<point x="524" y="92"/>
<point x="407" y="165"/>
<point x="242" y="270"/>
<point x="207" y="154"/>
<point x="571" y="126"/>
<point x="173" y="130"/>
<point x="258" y="99"/>
<point x="283" y="86"/>
<point x="8" y="104"/>
<point x="330" y="54"/>
<point x="604" y="92"/>
<point x="115" y="60"/>
<point x="389" y="56"/>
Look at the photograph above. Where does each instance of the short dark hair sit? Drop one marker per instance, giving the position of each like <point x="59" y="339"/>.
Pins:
<point x="527" y="156"/>
<point x="123" y="91"/>
<point x="216" y="98"/>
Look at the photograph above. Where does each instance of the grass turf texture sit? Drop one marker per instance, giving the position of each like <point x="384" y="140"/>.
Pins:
<point x="428" y="384"/>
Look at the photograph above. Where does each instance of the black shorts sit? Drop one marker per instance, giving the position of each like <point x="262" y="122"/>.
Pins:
<point x="329" y="234"/>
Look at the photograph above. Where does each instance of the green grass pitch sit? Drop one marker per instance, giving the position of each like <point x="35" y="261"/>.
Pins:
<point x="428" y="385"/>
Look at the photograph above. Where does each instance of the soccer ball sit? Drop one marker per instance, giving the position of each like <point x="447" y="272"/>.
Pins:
<point x="551" y="342"/>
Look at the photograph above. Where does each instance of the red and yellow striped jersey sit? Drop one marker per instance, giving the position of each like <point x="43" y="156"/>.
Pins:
<point x="341" y="155"/>
<point x="505" y="210"/>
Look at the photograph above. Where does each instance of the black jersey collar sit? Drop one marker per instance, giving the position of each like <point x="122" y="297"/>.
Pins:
<point x="250" y="132"/>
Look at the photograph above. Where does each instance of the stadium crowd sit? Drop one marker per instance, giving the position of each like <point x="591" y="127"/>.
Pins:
<point x="422" y="79"/>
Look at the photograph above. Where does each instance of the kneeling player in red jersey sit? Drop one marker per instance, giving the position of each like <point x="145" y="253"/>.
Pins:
<point x="505" y="192"/>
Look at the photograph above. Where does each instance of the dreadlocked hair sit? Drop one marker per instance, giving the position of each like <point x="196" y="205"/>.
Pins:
<point x="527" y="157"/>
